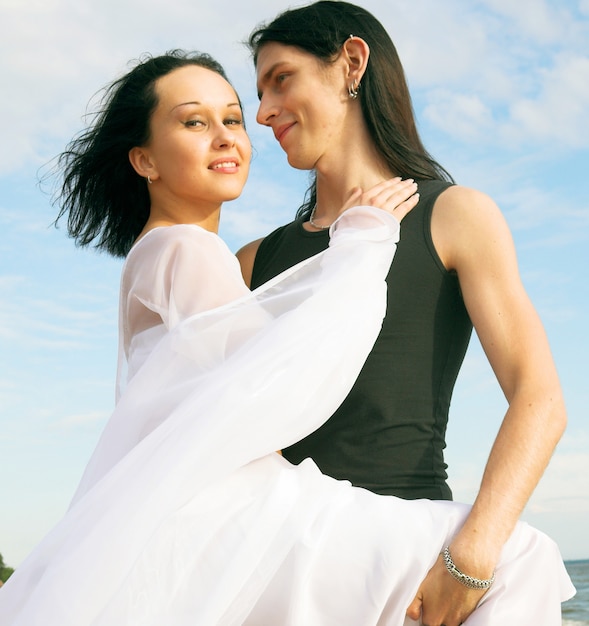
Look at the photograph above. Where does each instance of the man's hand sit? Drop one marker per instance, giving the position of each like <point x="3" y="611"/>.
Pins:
<point x="442" y="600"/>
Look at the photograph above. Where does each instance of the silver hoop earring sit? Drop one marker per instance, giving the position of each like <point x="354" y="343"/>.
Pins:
<point x="353" y="89"/>
<point x="149" y="181"/>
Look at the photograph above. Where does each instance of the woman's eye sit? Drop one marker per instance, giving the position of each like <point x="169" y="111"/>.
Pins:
<point x="193" y="123"/>
<point x="234" y="122"/>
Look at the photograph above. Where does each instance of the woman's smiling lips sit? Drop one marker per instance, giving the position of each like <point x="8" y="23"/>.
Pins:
<point x="225" y="165"/>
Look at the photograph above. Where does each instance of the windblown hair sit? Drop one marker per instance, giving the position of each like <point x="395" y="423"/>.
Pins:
<point x="105" y="200"/>
<point x="321" y="29"/>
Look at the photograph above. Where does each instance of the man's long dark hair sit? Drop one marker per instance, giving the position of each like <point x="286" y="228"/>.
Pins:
<point x="321" y="29"/>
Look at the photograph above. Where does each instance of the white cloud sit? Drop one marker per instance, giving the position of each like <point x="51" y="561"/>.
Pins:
<point x="513" y="74"/>
<point x="528" y="207"/>
<point x="534" y="18"/>
<point x="560" y="111"/>
<point x="81" y="419"/>
<point x="464" y="116"/>
<point x="563" y="487"/>
<point x="437" y="47"/>
<point x="552" y="109"/>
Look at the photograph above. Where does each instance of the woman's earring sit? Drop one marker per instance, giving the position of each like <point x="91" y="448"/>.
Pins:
<point x="353" y="89"/>
<point x="149" y="180"/>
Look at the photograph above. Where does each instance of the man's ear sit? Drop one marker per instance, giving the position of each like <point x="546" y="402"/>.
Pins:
<point x="356" y="52"/>
<point x="141" y="161"/>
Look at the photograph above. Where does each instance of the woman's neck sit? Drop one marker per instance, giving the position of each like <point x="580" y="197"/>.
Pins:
<point x="160" y="215"/>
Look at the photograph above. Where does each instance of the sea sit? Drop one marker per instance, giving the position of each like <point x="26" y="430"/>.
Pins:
<point x="575" y="612"/>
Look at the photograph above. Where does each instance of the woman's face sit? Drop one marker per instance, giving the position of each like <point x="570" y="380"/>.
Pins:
<point x="305" y="102"/>
<point x="198" y="144"/>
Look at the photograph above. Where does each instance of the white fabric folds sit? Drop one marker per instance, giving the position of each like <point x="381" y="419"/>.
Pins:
<point x="186" y="515"/>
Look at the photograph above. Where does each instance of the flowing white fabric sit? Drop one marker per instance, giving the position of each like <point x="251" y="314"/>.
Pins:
<point x="186" y="514"/>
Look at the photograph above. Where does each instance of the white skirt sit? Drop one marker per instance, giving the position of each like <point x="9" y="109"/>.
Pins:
<point x="277" y="544"/>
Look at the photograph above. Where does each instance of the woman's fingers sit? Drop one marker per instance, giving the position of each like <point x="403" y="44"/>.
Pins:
<point x="396" y="196"/>
<point x="401" y="210"/>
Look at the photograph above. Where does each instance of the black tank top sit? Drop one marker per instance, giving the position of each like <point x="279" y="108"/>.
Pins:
<point x="388" y="436"/>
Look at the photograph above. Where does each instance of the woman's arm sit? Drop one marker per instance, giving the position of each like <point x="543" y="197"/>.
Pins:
<point x="177" y="271"/>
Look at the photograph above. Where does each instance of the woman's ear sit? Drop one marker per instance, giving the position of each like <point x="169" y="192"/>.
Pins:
<point x="141" y="161"/>
<point x="356" y="52"/>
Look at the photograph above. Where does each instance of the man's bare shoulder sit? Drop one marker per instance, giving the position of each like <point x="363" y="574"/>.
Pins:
<point x="464" y="219"/>
<point x="246" y="257"/>
<point x="459" y="200"/>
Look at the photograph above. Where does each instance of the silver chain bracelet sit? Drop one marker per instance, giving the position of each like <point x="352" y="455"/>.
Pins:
<point x="467" y="581"/>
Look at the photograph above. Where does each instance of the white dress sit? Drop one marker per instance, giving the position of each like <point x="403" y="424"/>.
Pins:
<point x="186" y="515"/>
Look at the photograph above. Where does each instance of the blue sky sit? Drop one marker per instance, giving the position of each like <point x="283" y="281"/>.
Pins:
<point x="501" y="93"/>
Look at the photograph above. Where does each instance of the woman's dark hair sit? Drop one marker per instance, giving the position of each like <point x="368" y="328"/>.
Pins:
<point x="105" y="200"/>
<point x="321" y="29"/>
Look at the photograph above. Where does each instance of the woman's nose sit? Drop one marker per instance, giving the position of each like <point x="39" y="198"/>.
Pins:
<point x="224" y="137"/>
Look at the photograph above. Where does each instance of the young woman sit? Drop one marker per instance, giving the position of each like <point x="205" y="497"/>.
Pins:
<point x="333" y="91"/>
<point x="185" y="513"/>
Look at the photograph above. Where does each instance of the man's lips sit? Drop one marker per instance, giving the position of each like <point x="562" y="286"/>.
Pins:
<point x="281" y="131"/>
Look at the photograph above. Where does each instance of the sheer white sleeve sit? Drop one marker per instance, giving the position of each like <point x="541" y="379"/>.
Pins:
<point x="172" y="273"/>
<point x="176" y="272"/>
